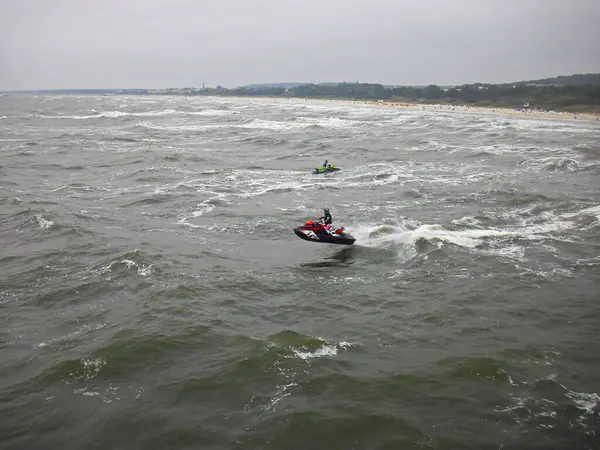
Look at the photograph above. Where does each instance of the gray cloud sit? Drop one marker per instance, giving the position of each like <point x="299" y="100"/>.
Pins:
<point x="158" y="43"/>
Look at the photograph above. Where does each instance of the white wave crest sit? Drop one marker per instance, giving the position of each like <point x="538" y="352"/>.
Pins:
<point x="154" y="113"/>
<point x="142" y="270"/>
<point x="44" y="223"/>
<point x="83" y="330"/>
<point x="327" y="349"/>
<point x="470" y="238"/>
<point x="592" y="211"/>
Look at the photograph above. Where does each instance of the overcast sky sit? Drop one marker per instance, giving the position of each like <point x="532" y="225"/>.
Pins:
<point x="54" y="44"/>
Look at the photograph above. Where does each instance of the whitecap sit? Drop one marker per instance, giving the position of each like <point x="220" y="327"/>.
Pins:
<point x="327" y="349"/>
<point x="44" y="223"/>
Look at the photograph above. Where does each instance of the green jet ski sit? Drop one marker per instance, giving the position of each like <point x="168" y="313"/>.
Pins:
<point x="326" y="169"/>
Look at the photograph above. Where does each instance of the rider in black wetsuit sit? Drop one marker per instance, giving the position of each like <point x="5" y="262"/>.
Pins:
<point x="326" y="218"/>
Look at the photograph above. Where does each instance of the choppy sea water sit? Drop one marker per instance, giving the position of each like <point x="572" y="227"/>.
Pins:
<point x="154" y="296"/>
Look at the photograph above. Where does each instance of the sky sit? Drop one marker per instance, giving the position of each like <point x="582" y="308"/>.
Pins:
<point x="72" y="44"/>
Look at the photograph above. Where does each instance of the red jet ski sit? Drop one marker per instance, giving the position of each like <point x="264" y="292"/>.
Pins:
<point x="315" y="231"/>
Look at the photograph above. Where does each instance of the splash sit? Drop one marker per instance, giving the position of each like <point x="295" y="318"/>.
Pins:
<point x="327" y="349"/>
<point x="144" y="270"/>
<point x="379" y="235"/>
<point x="44" y="223"/>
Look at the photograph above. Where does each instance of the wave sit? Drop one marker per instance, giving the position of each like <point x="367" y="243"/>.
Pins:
<point x="255" y="124"/>
<point x="60" y="166"/>
<point x="272" y="125"/>
<point x="478" y="367"/>
<point x="298" y="155"/>
<point x="436" y="234"/>
<point x="181" y="128"/>
<point x="44" y="223"/>
<point x="156" y="113"/>
<point x="291" y="344"/>
<point x="505" y="242"/>
<point x="275" y="188"/>
<point x="584" y="215"/>
<point x="106" y="114"/>
<point x="512" y="197"/>
<point x="79" y="187"/>
<point x="131" y="349"/>
<point x="135" y="260"/>
<point x="589" y="151"/>
<point x="557" y="163"/>
<point x="151" y="200"/>
<point x="40" y="219"/>
<point x="123" y="139"/>
<point x="81" y="332"/>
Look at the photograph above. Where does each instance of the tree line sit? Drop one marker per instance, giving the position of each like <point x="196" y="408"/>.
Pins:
<point x="583" y="97"/>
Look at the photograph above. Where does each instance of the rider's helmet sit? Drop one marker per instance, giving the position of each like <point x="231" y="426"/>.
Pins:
<point x="326" y="210"/>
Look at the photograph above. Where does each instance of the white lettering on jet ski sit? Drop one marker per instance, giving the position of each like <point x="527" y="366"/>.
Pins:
<point x="310" y="234"/>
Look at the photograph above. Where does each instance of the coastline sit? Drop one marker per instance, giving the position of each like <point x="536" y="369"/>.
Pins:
<point x="557" y="115"/>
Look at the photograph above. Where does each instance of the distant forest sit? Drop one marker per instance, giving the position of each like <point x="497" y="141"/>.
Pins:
<point x="566" y="80"/>
<point x="579" y="92"/>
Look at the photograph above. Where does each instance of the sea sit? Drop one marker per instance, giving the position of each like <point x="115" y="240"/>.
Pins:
<point x="153" y="294"/>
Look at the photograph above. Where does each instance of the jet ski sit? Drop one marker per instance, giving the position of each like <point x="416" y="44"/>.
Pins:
<point x="315" y="231"/>
<point x="326" y="169"/>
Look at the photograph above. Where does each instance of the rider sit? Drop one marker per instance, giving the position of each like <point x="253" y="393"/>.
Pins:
<point x="326" y="219"/>
<point x="325" y="164"/>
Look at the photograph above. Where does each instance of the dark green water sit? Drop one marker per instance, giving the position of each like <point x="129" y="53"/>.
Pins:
<point x="154" y="296"/>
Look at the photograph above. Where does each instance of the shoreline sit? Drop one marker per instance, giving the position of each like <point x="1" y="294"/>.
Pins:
<point x="538" y="114"/>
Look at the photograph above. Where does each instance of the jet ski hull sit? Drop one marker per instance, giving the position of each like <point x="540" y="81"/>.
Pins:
<point x="330" y="169"/>
<point x="323" y="236"/>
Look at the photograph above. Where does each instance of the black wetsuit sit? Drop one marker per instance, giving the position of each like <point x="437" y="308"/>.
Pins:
<point x="327" y="219"/>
